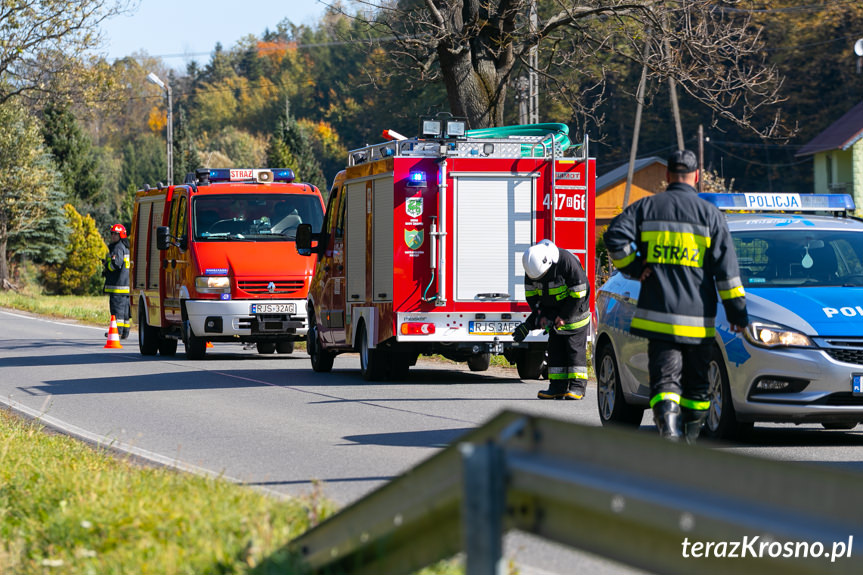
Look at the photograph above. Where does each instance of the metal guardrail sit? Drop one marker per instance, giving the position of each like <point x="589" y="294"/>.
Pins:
<point x="628" y="496"/>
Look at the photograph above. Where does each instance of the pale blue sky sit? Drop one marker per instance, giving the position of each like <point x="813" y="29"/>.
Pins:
<point x="180" y="31"/>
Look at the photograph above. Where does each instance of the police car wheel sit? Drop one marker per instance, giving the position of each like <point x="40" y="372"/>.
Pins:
<point x="722" y="420"/>
<point x="613" y="408"/>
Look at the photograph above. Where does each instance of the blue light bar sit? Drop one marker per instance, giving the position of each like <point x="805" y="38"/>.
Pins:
<point x="249" y="175"/>
<point x="760" y="202"/>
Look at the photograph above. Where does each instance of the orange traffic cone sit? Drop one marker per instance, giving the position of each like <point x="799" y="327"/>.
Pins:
<point x="113" y="336"/>
<point x="209" y="344"/>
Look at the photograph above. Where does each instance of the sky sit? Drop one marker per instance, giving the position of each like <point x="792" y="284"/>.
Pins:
<point x="179" y="31"/>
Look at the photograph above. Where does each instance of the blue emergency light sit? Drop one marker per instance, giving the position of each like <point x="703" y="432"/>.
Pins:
<point x="770" y="202"/>
<point x="416" y="179"/>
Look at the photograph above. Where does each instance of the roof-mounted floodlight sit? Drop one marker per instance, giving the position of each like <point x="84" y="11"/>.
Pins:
<point x="431" y="128"/>
<point x="455" y="128"/>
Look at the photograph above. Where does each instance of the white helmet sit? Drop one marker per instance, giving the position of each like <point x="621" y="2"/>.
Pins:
<point x="538" y="258"/>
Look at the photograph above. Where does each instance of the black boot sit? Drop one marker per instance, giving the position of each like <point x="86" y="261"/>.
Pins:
<point x="693" y="421"/>
<point x="666" y="414"/>
<point x="575" y="390"/>
<point x="557" y="389"/>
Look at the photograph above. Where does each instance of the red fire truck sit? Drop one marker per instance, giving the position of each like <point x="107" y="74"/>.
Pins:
<point x="421" y="247"/>
<point x="213" y="260"/>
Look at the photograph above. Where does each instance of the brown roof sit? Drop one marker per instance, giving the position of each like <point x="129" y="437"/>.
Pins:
<point x="839" y="136"/>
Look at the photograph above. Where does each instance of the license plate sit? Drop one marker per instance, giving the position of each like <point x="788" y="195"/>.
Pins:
<point x="492" y="327"/>
<point x="258" y="308"/>
<point x="857" y="384"/>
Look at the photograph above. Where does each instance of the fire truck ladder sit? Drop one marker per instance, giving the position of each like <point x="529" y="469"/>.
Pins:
<point x="562" y="181"/>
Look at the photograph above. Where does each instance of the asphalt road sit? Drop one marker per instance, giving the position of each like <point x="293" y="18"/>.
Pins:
<point x="270" y="422"/>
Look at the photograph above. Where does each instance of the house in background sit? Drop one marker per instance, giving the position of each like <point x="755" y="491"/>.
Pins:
<point x="838" y="156"/>
<point x="647" y="179"/>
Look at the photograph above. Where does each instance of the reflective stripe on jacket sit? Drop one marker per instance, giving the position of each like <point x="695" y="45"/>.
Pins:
<point x="685" y="242"/>
<point x="562" y="292"/>
<point x="117" y="268"/>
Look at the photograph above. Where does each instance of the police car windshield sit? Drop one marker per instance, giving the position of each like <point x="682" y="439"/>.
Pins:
<point x="810" y="258"/>
<point x="258" y="217"/>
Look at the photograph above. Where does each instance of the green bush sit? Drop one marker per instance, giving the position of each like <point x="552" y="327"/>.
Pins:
<point x="80" y="272"/>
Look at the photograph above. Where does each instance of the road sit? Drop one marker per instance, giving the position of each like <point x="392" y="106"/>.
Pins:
<point x="270" y="422"/>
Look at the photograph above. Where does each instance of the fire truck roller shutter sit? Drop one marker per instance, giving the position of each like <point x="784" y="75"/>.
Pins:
<point x="355" y="241"/>
<point x="382" y="238"/>
<point x="492" y="206"/>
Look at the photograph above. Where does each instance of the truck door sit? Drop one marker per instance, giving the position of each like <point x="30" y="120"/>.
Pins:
<point x="332" y="303"/>
<point x="175" y="262"/>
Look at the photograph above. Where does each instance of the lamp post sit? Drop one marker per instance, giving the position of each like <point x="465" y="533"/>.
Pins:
<point x="154" y="79"/>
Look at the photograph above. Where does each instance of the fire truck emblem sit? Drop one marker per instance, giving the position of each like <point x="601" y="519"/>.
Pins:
<point x="414" y="239"/>
<point x="414" y="206"/>
<point x="271" y="287"/>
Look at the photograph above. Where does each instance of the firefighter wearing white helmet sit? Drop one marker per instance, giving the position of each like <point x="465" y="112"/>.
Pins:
<point x="557" y="290"/>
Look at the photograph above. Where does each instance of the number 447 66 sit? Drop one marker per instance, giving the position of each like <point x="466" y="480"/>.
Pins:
<point x="573" y="202"/>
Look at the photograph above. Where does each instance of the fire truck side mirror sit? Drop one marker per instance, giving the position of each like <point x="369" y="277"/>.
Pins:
<point x="163" y="236"/>
<point x="304" y="239"/>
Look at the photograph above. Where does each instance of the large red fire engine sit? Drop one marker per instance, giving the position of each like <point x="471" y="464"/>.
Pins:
<point x="213" y="260"/>
<point x="421" y="247"/>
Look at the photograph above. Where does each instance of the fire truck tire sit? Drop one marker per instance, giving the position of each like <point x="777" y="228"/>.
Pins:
<point x="167" y="347"/>
<point x="531" y="364"/>
<point x="266" y="347"/>
<point x="322" y="360"/>
<point x="401" y="365"/>
<point x="373" y="362"/>
<point x="148" y="336"/>
<point x="479" y="361"/>
<point x="196" y="347"/>
<point x="285" y="347"/>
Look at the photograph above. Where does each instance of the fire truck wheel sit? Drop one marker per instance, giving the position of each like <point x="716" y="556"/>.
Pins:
<point x="530" y="364"/>
<point x="479" y="361"/>
<point x="167" y="346"/>
<point x="196" y="348"/>
<point x="322" y="360"/>
<point x="401" y="365"/>
<point x="148" y="336"/>
<point x="266" y="347"/>
<point x="373" y="364"/>
<point x="285" y="347"/>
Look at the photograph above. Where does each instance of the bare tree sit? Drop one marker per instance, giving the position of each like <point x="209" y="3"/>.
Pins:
<point x="44" y="43"/>
<point x="709" y="48"/>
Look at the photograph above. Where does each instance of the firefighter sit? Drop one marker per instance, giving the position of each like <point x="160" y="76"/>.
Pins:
<point x="680" y="249"/>
<point x="557" y="290"/>
<point x="116" y="272"/>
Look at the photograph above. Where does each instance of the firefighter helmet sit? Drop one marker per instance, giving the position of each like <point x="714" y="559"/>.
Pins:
<point x="538" y="258"/>
<point x="118" y="229"/>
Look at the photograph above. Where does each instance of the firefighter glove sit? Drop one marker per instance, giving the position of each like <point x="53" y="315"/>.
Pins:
<point x="520" y="333"/>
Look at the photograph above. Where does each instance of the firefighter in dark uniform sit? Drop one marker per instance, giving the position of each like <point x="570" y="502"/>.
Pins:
<point x="679" y="247"/>
<point x="557" y="290"/>
<point x="117" y="278"/>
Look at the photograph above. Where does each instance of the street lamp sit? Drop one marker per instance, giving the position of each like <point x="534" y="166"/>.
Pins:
<point x="154" y="79"/>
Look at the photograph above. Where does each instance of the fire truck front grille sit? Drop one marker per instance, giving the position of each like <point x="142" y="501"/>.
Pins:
<point x="262" y="287"/>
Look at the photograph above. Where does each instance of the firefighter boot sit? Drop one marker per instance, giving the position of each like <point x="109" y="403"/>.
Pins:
<point x="693" y="421"/>
<point x="557" y="389"/>
<point x="666" y="414"/>
<point x="575" y="390"/>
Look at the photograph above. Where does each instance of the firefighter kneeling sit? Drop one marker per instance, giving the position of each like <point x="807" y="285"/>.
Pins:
<point x="557" y="290"/>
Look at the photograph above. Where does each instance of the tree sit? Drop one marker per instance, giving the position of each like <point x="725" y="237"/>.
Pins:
<point x="46" y="40"/>
<point x="73" y="154"/>
<point x="26" y="178"/>
<point x="290" y="148"/>
<point x="709" y="48"/>
<point x="78" y="273"/>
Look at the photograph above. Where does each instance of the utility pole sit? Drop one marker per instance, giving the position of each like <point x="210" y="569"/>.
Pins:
<point x="700" y="156"/>
<point x="154" y="79"/>
<point x="639" y="97"/>
<point x="532" y="76"/>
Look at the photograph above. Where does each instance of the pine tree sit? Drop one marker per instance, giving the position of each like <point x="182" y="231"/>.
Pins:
<point x="73" y="153"/>
<point x="290" y="147"/>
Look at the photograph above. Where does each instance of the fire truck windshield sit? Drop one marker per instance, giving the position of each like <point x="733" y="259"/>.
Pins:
<point x="258" y="217"/>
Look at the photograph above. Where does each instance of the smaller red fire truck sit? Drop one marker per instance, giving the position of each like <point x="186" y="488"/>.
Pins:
<point x="213" y="260"/>
<point x="421" y="248"/>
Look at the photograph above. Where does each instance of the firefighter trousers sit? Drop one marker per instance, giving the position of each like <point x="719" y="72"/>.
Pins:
<point x="680" y="370"/>
<point x="567" y="358"/>
<point x="119" y="304"/>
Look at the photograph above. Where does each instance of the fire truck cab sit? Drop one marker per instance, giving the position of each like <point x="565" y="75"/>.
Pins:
<point x="421" y="248"/>
<point x="213" y="260"/>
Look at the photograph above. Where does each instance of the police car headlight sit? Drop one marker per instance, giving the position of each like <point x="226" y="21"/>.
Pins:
<point x="213" y="284"/>
<point x="768" y="335"/>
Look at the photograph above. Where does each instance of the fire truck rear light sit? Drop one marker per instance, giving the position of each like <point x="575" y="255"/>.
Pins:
<point x="417" y="328"/>
<point x="417" y="179"/>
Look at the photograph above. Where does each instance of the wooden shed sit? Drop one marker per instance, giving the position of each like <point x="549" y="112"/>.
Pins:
<point x="648" y="178"/>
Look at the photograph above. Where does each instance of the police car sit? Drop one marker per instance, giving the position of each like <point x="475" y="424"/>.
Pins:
<point x="801" y="358"/>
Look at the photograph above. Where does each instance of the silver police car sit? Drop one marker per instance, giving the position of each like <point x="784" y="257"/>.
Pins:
<point x="800" y="360"/>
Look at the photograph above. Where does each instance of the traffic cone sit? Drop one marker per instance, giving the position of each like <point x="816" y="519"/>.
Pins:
<point x="113" y="336"/>
<point x="209" y="344"/>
